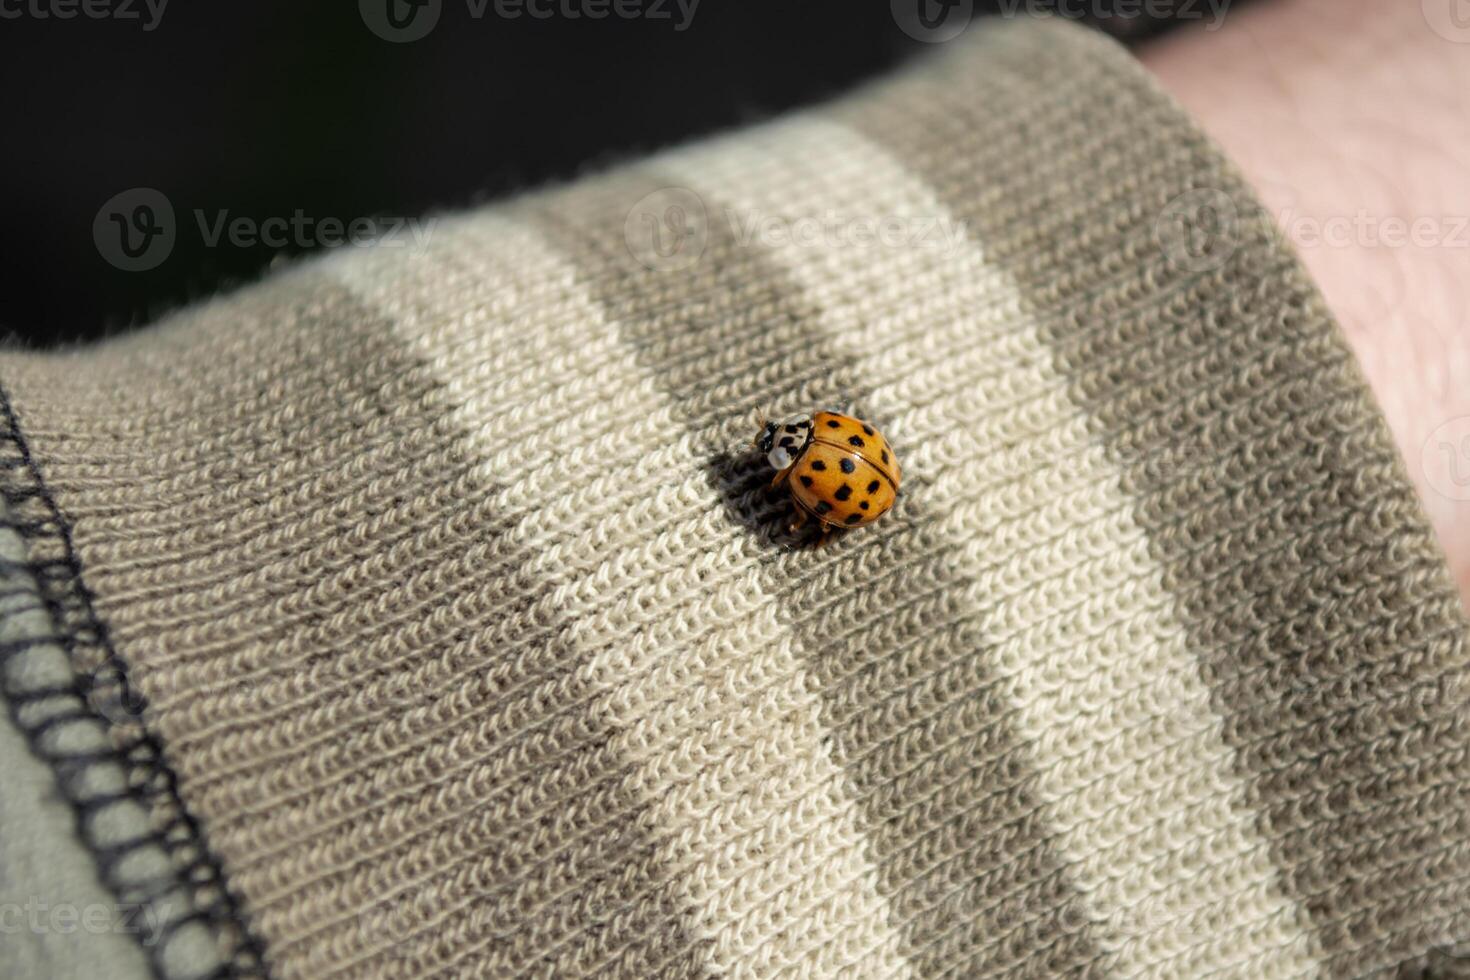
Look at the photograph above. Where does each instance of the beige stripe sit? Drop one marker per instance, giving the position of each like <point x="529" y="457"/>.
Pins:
<point x="1129" y="753"/>
<point x="706" y="699"/>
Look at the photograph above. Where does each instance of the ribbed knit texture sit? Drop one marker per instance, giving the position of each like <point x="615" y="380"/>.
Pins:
<point x="472" y="643"/>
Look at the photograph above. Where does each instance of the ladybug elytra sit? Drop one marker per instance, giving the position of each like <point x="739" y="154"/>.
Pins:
<point x="840" y="469"/>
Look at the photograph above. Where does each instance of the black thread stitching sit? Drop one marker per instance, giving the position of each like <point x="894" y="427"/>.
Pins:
<point x="68" y="603"/>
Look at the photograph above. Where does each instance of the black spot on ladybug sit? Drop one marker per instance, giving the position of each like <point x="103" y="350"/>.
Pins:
<point x="843" y="492"/>
<point x="823" y="506"/>
<point x="856" y="441"/>
<point x="853" y="518"/>
<point x="873" y="487"/>
<point x="885" y="455"/>
<point x="847" y="465"/>
<point x="864" y="505"/>
<point x="867" y="430"/>
<point x="817" y="464"/>
<point x="833" y="424"/>
<point x="806" y="481"/>
<point x="788" y="442"/>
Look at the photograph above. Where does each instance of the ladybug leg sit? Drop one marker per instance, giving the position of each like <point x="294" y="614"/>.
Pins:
<point x="798" y="521"/>
<point x="779" y="480"/>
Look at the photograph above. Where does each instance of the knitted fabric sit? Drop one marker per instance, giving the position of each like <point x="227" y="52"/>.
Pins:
<point x="471" y="643"/>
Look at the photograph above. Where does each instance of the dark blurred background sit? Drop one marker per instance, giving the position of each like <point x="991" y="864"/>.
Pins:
<point x="268" y="108"/>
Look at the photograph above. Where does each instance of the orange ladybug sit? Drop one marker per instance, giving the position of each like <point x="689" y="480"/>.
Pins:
<point x="840" y="469"/>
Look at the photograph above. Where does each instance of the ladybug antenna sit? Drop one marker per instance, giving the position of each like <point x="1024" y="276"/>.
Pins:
<point x="759" y="417"/>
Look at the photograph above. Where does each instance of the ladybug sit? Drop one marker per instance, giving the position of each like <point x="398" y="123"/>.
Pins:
<point x="839" y="469"/>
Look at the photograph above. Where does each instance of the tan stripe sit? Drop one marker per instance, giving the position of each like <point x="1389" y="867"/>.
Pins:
<point x="1130" y="759"/>
<point x="707" y="702"/>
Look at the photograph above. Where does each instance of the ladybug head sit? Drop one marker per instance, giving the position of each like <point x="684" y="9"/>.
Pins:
<point x="766" y="439"/>
<point x="782" y="442"/>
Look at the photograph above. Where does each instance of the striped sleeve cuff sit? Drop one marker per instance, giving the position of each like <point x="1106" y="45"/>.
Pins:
<point x="458" y="635"/>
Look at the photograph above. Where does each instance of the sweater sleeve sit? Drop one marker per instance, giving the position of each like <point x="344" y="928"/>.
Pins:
<point x="438" y="615"/>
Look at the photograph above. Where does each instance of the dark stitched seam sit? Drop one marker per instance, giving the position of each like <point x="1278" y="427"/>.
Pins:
<point x="68" y="603"/>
